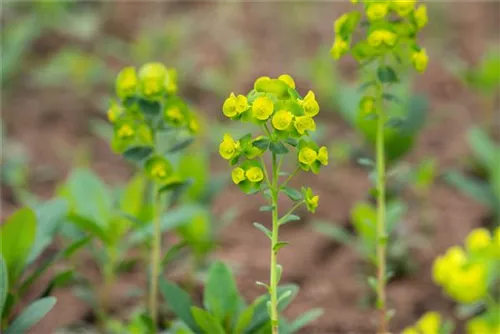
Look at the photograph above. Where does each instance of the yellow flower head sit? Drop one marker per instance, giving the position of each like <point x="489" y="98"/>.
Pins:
<point x="420" y="60"/>
<point x="307" y="156"/>
<point x="152" y="78"/>
<point x="282" y="120"/>
<point x="174" y="115"/>
<point x="420" y="16"/>
<point x="238" y="175"/>
<point x="310" y="105"/>
<point x="478" y="240"/>
<point x="254" y="174"/>
<point x="410" y="330"/>
<point x="445" y="266"/>
<point x="311" y="200"/>
<point x="234" y="105"/>
<point x="469" y="284"/>
<point x="429" y="323"/>
<point x="304" y="123"/>
<point x="194" y="125"/>
<point x="125" y="131"/>
<point x="171" y="81"/>
<point x="262" y="108"/>
<point x="229" y="148"/>
<point x="377" y="11"/>
<point x="379" y="37"/>
<point x="403" y="7"/>
<point x="337" y="25"/>
<point x="114" y="111"/>
<point x="287" y="79"/>
<point x="339" y="48"/>
<point x="126" y="82"/>
<point x="367" y="104"/>
<point x="478" y="325"/>
<point x="323" y="155"/>
<point x="158" y="168"/>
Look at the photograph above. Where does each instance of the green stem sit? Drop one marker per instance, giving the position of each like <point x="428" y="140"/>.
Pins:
<point x="381" y="235"/>
<point x="274" y="240"/>
<point x="155" y="259"/>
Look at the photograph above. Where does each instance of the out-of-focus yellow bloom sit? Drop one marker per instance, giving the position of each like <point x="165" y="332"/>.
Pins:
<point x="229" y="148"/>
<point x="126" y="82"/>
<point x="403" y="7"/>
<point x="171" y="81"/>
<point x="304" y="123"/>
<point x="445" y="266"/>
<point x="337" y="25"/>
<point x="420" y="60"/>
<point x="125" y="131"/>
<point x="311" y="200"/>
<point x="307" y="156"/>
<point x="377" y="10"/>
<point x="158" y="168"/>
<point x="323" y="155"/>
<point x="234" y="105"/>
<point x="174" y="115"/>
<point x="478" y="325"/>
<point x="339" y="48"/>
<point x="366" y="105"/>
<point x="194" y="125"/>
<point x="310" y="105"/>
<point x="238" y="175"/>
<point x="478" y="240"/>
<point x="410" y="330"/>
<point x="429" y="323"/>
<point x="114" y="111"/>
<point x="254" y="174"/>
<point x="420" y="16"/>
<point x="287" y="79"/>
<point x="381" y="37"/>
<point x="152" y="78"/>
<point x="262" y="108"/>
<point x="282" y="120"/>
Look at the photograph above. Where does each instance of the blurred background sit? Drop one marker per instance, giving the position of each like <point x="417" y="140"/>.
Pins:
<point x="59" y="61"/>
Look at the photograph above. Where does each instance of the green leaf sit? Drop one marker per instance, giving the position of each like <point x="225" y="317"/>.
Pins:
<point x="366" y="85"/>
<point x="262" y="143"/>
<point x="292" y="193"/>
<point x="266" y="208"/>
<point x="386" y="74"/>
<point x="138" y="153"/>
<point x="366" y="162"/>
<point x="335" y="232"/>
<point x="395" y="122"/>
<point x="177" y="188"/>
<point x="89" y="226"/>
<point x="477" y="189"/>
<point x="179" y="302"/>
<point x="173" y="252"/>
<point x="31" y="315"/>
<point x="305" y="319"/>
<point x="264" y="229"/>
<point x="133" y="196"/>
<point x="288" y="218"/>
<point x="391" y="98"/>
<point x="484" y="148"/>
<point x="244" y="319"/>
<point x="278" y="148"/>
<point x="279" y="269"/>
<point x="280" y="244"/>
<point x="4" y="283"/>
<point x="221" y="295"/>
<point x="60" y="279"/>
<point x="151" y="108"/>
<point x="372" y="282"/>
<point x="181" y="145"/>
<point x="207" y="322"/>
<point x="17" y="235"/>
<point x="292" y="142"/>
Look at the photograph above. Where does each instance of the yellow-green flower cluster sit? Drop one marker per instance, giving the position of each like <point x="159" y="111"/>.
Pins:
<point x="392" y="27"/>
<point x="466" y="274"/>
<point x="285" y="119"/>
<point x="486" y="323"/>
<point x="429" y="323"/>
<point x="145" y="105"/>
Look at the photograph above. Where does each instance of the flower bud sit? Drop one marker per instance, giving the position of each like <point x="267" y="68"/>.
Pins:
<point x="126" y="83"/>
<point x="420" y="60"/>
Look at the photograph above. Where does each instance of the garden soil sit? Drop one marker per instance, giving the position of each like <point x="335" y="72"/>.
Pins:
<point x="51" y="123"/>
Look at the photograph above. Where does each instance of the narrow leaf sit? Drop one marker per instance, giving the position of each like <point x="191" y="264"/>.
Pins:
<point x="263" y="229"/>
<point x="279" y="245"/>
<point x="31" y="315"/>
<point x="266" y="208"/>
<point x="292" y="193"/>
<point x="278" y="148"/>
<point x="138" y="153"/>
<point x="181" y="145"/>
<point x="288" y="218"/>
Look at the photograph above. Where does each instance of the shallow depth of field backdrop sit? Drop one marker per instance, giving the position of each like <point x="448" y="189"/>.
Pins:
<point x="59" y="61"/>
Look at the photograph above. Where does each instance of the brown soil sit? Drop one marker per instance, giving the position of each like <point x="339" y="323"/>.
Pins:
<point x="51" y="123"/>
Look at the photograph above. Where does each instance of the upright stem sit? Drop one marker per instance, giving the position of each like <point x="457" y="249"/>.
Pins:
<point x="381" y="235"/>
<point x="274" y="241"/>
<point x="155" y="259"/>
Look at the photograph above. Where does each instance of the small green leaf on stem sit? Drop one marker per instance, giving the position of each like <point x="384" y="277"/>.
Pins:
<point x="391" y="98"/>
<point x="280" y="244"/>
<point x="288" y="218"/>
<point x="181" y="145"/>
<point x="262" y="284"/>
<point x="292" y="193"/>
<point x="278" y="148"/>
<point x="372" y="282"/>
<point x="262" y="143"/>
<point x="284" y="295"/>
<point x="292" y="142"/>
<point x="366" y="162"/>
<point x="264" y="229"/>
<point x="395" y="122"/>
<point x="138" y="153"/>
<point x="386" y="74"/>
<point x="266" y="208"/>
<point x="279" y="270"/>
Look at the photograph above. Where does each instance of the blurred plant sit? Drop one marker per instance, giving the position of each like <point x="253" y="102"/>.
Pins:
<point x="364" y="241"/>
<point x="285" y="118"/>
<point x="430" y="323"/>
<point x="148" y="110"/>
<point x="387" y="48"/>
<point x="25" y="235"/>
<point x="224" y="309"/>
<point x="484" y="79"/>
<point x="487" y="155"/>
<point x="470" y="277"/>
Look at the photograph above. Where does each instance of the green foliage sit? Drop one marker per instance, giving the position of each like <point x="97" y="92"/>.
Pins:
<point x="487" y="155"/>
<point x="224" y="309"/>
